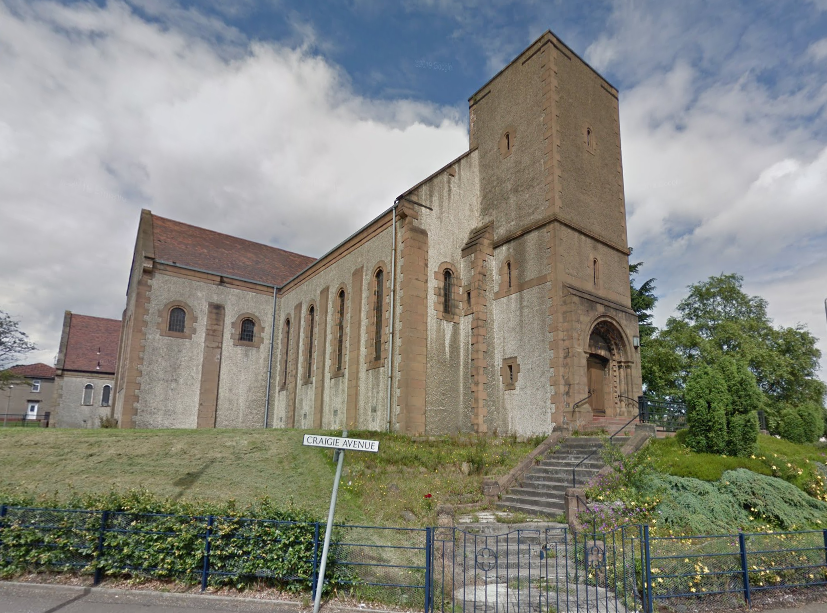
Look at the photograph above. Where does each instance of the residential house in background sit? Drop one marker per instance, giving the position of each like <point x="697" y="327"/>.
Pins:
<point x="85" y="370"/>
<point x="32" y="397"/>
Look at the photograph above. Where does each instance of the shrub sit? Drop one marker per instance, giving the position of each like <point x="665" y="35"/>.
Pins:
<point x="742" y="434"/>
<point x="693" y="506"/>
<point x="706" y="401"/>
<point x="772" y="500"/>
<point x="812" y="417"/>
<point x="791" y="426"/>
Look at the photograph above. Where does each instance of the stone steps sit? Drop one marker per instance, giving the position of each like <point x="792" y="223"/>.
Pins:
<point x="542" y="489"/>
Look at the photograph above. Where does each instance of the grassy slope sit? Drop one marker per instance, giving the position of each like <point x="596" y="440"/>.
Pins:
<point x="248" y="464"/>
<point x="774" y="457"/>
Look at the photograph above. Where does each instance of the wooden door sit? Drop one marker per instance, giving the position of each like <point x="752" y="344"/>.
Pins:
<point x="597" y="400"/>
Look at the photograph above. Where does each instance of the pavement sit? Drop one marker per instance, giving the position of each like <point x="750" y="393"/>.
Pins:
<point x="38" y="598"/>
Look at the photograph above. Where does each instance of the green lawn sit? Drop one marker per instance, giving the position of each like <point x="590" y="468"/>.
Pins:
<point x="774" y="457"/>
<point x="217" y="465"/>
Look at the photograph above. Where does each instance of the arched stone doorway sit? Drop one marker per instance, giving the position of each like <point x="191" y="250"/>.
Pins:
<point x="608" y="371"/>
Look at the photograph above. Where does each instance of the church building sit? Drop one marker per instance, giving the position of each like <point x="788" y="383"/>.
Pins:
<point x="492" y="297"/>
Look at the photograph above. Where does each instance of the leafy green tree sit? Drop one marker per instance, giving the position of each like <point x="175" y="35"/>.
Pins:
<point x="790" y="426"/>
<point x="14" y="343"/>
<point x="707" y="399"/>
<point x="717" y="318"/>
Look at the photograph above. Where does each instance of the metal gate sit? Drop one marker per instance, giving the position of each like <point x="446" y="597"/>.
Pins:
<point x="547" y="570"/>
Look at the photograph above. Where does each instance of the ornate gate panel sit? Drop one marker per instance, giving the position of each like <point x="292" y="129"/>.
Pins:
<point x="540" y="570"/>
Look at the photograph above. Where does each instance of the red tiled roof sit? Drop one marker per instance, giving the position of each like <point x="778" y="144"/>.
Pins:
<point x="34" y="371"/>
<point x="92" y="345"/>
<point x="181" y="243"/>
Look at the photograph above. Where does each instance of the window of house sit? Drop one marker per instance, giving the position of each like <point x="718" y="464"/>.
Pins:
<point x="248" y="331"/>
<point x="340" y="332"/>
<point x="311" y="326"/>
<point x="377" y="315"/>
<point x="88" y="392"/>
<point x="35" y="385"/>
<point x="286" y="351"/>
<point x="447" y="291"/>
<point x="177" y="320"/>
<point x="106" y="392"/>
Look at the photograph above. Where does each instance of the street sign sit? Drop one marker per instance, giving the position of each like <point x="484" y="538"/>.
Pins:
<point x="337" y="442"/>
<point x="342" y="443"/>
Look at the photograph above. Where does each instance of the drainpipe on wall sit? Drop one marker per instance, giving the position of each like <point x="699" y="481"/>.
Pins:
<point x="270" y="362"/>
<point x="391" y="318"/>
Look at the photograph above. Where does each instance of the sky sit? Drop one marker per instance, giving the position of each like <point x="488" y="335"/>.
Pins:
<point x="294" y="123"/>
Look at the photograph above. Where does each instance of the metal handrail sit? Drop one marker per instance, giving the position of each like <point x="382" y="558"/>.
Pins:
<point x="576" y="466"/>
<point x="579" y="402"/>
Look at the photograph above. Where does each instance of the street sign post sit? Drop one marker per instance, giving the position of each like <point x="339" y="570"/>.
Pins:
<point x="340" y="444"/>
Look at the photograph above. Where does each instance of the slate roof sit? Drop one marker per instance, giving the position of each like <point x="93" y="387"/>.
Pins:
<point x="92" y="345"/>
<point x="186" y="245"/>
<point x="34" y="371"/>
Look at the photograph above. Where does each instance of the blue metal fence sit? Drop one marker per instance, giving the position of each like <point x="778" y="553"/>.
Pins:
<point x="434" y="569"/>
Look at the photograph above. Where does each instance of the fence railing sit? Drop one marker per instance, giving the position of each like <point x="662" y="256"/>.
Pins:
<point x="386" y="564"/>
<point x="670" y="416"/>
<point x="432" y="569"/>
<point x="22" y="420"/>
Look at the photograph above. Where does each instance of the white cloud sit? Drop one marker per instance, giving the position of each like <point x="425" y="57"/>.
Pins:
<point x="103" y="113"/>
<point x="818" y="49"/>
<point x="725" y="166"/>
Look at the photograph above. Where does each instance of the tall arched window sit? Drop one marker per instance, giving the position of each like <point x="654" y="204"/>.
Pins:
<point x="447" y="290"/>
<point x="106" y="393"/>
<point x="311" y="326"/>
<point x="88" y="392"/>
<point x="177" y="320"/>
<point x="286" y="352"/>
<point x="377" y="315"/>
<point x="508" y="272"/>
<point x="340" y="332"/>
<point x="248" y="331"/>
<point x="595" y="271"/>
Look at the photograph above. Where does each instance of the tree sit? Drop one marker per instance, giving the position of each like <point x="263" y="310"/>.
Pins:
<point x="643" y="304"/>
<point x="14" y="343"/>
<point x="643" y="301"/>
<point x="706" y="403"/>
<point x="717" y="319"/>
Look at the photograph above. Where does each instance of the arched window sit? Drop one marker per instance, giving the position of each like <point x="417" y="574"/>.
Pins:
<point x="177" y="320"/>
<point x="595" y="271"/>
<point x="88" y="392"/>
<point x="106" y="392"/>
<point x="340" y="332"/>
<point x="447" y="290"/>
<point x="588" y="137"/>
<point x="508" y="272"/>
<point x="248" y="331"/>
<point x="377" y="315"/>
<point x="311" y="326"/>
<point x="286" y="352"/>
